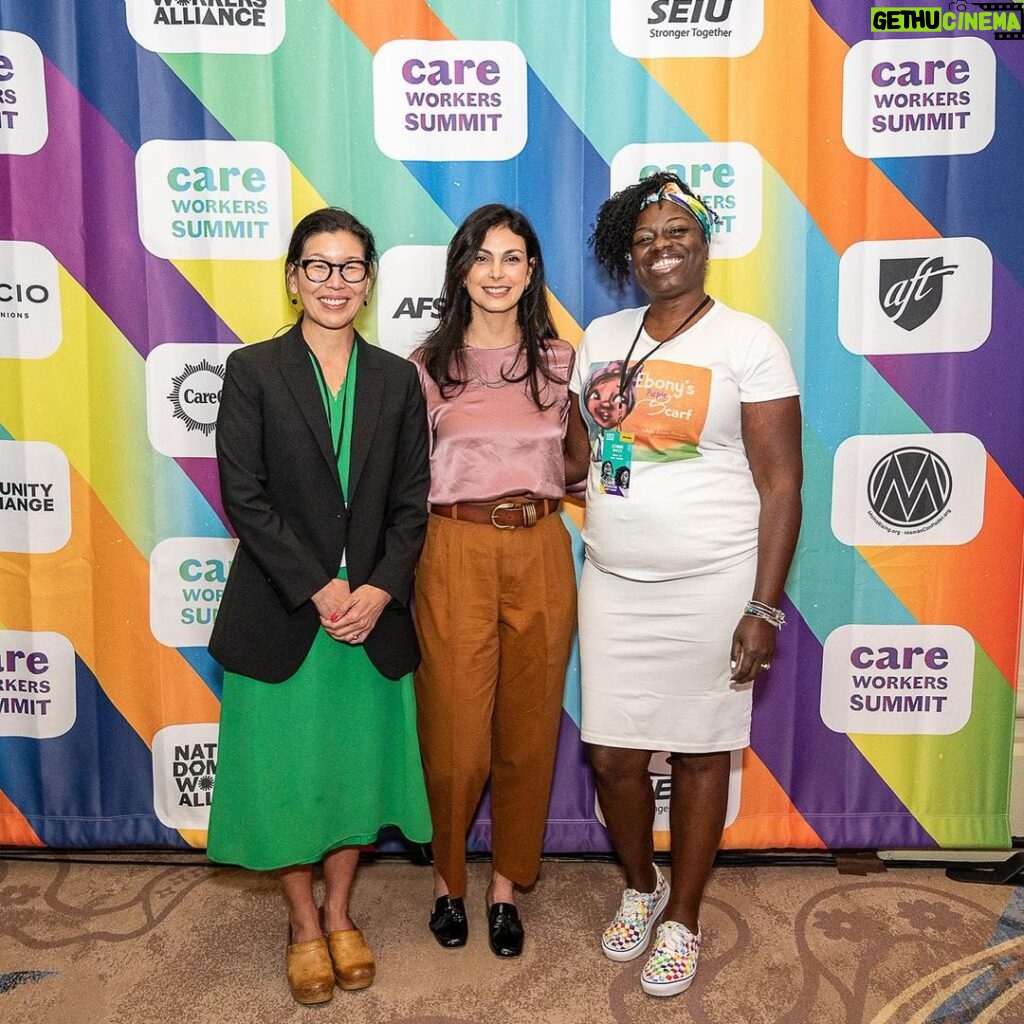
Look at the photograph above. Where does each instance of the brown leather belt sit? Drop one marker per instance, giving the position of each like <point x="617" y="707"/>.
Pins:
<point x="505" y="515"/>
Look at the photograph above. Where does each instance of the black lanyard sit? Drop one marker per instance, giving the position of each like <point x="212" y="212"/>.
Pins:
<point x="626" y="374"/>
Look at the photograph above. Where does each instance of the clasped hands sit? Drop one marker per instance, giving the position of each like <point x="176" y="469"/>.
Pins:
<point x="349" y="615"/>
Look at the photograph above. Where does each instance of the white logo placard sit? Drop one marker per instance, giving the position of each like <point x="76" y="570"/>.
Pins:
<point x="728" y="176"/>
<point x="458" y="99"/>
<point x="897" y="680"/>
<point x="37" y="684"/>
<point x="186" y="582"/>
<point x="915" y="296"/>
<point x="35" y="497"/>
<point x="408" y="295"/>
<point x="24" y="126"/>
<point x="210" y="199"/>
<point x="183" y="386"/>
<point x="184" y="770"/>
<point x="686" y="28"/>
<point x="199" y="26"/>
<point x="30" y="320"/>
<point x="908" y="489"/>
<point x="919" y="97"/>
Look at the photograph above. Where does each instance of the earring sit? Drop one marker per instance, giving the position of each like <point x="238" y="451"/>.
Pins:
<point x="295" y="301"/>
<point x="366" y="302"/>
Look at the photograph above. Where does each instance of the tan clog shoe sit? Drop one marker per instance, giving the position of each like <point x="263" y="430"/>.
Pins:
<point x="354" y="966"/>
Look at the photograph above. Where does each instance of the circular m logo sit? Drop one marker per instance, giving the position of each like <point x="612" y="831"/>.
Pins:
<point x="909" y="486"/>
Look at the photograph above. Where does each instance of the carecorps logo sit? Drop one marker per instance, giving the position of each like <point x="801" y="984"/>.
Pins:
<point x="686" y="28"/>
<point x="195" y="395"/>
<point x="202" y="26"/>
<point x="915" y="296"/>
<point x="30" y="316"/>
<point x="908" y="489"/>
<point x="910" y="290"/>
<point x="184" y="771"/>
<point x="183" y="386"/>
<point x="408" y="303"/>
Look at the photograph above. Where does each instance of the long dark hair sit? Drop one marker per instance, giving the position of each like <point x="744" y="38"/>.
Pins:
<point x="444" y="350"/>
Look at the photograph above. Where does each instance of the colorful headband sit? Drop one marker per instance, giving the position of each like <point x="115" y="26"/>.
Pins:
<point x="673" y="193"/>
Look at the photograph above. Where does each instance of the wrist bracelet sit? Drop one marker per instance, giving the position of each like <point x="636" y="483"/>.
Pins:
<point x="760" y="610"/>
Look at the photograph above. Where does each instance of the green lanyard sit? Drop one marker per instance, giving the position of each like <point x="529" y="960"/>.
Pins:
<point x="340" y="425"/>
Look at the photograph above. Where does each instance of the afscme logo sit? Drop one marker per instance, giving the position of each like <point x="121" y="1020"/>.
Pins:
<point x="909" y="486"/>
<point x="417" y="308"/>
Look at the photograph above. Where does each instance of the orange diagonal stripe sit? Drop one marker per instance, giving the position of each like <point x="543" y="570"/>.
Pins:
<point x="378" y="23"/>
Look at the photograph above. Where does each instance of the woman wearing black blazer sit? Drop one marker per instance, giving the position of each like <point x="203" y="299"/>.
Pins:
<point x="322" y="452"/>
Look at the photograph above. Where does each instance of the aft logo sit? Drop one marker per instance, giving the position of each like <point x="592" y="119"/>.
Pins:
<point x="184" y="771"/>
<point x="915" y="296"/>
<point x="183" y="386"/>
<point x="910" y="290"/>
<point x="207" y="26"/>
<point x="408" y="295"/>
<point x="908" y="489"/>
<point x="686" y="28"/>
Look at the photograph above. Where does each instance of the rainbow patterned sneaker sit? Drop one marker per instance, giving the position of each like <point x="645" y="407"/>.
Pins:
<point x="629" y="933"/>
<point x="673" y="962"/>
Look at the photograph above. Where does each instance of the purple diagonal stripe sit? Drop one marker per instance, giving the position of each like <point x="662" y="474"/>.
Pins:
<point x="76" y="196"/>
<point x="830" y="782"/>
<point x="959" y="391"/>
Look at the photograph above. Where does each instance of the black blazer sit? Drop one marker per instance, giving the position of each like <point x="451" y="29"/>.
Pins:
<point x="279" y="483"/>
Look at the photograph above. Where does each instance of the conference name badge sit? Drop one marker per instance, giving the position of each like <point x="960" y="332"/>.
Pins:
<point x="616" y="462"/>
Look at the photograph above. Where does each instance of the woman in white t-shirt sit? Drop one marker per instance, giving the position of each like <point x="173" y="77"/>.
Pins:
<point x="696" y="405"/>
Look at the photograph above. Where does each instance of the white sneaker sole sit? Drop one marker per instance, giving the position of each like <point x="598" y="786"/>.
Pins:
<point x="668" y="988"/>
<point x="623" y="956"/>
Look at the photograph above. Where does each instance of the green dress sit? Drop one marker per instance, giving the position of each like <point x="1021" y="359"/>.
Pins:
<point x="325" y="759"/>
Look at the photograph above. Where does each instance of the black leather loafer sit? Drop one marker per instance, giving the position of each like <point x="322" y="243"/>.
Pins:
<point x="505" y="929"/>
<point x="448" y="922"/>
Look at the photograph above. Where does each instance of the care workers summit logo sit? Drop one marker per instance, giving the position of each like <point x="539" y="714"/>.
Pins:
<point x="37" y="684"/>
<point x="458" y="99"/>
<point x="23" y="119"/>
<point x="919" y="97"/>
<point x="898" y="680"/>
<point x="206" y="26"/>
<point x="205" y="199"/>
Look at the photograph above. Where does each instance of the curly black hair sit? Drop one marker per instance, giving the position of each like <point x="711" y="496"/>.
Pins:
<point x="616" y="222"/>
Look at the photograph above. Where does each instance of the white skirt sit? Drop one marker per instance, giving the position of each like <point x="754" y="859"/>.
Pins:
<point x="655" y="660"/>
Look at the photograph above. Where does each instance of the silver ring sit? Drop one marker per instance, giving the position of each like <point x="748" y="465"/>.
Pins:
<point x="766" y="665"/>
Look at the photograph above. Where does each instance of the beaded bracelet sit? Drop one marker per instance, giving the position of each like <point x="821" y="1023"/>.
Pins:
<point x="760" y="610"/>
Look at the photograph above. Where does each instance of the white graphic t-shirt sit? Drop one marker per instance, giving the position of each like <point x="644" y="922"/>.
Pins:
<point x="691" y="505"/>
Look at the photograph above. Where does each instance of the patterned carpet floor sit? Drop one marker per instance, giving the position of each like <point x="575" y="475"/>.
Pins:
<point x="144" y="943"/>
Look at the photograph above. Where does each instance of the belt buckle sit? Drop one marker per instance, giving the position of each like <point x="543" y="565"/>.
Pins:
<point x="501" y="508"/>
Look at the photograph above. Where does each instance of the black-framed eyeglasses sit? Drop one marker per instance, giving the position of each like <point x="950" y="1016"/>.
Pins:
<point x="319" y="271"/>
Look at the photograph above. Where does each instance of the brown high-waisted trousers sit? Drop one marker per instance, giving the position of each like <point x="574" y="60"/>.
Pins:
<point x="495" y="613"/>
